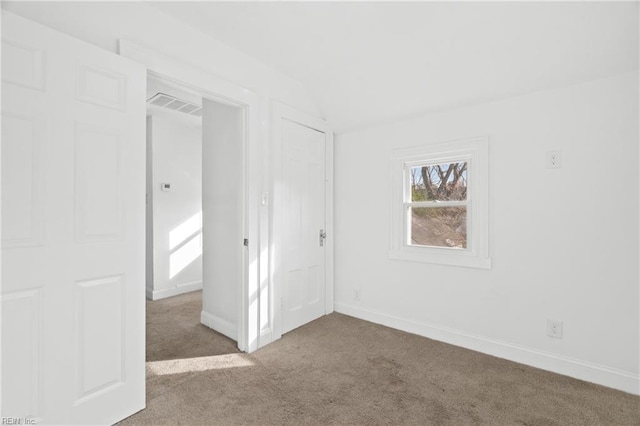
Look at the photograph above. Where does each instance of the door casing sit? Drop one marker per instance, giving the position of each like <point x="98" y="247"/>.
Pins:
<point x="220" y="90"/>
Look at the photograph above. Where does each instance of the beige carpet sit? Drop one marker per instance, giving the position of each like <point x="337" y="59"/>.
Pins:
<point x="341" y="370"/>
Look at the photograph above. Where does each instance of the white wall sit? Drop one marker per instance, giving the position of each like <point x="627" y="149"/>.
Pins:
<point x="564" y="242"/>
<point x="176" y="149"/>
<point x="222" y="204"/>
<point x="104" y="23"/>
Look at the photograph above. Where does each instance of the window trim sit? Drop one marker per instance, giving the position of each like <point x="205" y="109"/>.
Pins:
<point x="475" y="151"/>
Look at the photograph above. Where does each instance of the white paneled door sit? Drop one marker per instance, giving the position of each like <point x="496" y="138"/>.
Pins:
<point x="303" y="239"/>
<point x="73" y="191"/>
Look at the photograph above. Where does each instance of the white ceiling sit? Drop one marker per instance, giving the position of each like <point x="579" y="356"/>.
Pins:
<point x="369" y="62"/>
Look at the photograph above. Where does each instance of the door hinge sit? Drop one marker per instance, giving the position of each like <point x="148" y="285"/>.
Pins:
<point x="323" y="236"/>
<point x="246" y="242"/>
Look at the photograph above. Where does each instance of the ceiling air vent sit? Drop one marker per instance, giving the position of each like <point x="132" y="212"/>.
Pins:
<point x="171" y="102"/>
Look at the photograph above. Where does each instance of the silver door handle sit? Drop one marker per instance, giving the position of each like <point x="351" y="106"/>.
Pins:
<point x="323" y="236"/>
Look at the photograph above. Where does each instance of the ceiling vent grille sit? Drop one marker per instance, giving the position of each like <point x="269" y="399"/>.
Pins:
<point x="171" y="102"/>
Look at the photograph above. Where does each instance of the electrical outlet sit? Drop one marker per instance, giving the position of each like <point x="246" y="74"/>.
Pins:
<point x="356" y="294"/>
<point x="554" y="159"/>
<point x="554" y="328"/>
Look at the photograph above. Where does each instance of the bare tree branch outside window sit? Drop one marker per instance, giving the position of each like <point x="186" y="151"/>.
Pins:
<point x="439" y="226"/>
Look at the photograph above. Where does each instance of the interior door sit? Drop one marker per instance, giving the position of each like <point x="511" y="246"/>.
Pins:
<point x="303" y="163"/>
<point x="73" y="191"/>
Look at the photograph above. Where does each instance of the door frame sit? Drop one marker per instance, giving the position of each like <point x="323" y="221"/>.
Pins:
<point x="279" y="112"/>
<point x="217" y="89"/>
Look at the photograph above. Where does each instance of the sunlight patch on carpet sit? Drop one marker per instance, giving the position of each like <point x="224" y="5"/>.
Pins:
<point x="205" y="363"/>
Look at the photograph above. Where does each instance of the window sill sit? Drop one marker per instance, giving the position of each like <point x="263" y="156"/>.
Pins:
<point x="441" y="257"/>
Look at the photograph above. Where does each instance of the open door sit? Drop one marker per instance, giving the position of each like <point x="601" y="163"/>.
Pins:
<point x="73" y="191"/>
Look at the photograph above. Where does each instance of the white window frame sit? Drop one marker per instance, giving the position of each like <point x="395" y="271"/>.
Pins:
<point x="475" y="152"/>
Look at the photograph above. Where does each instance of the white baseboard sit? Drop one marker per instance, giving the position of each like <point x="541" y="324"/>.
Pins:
<point x="626" y="381"/>
<point x="220" y="325"/>
<point x="266" y="337"/>
<point x="174" y="291"/>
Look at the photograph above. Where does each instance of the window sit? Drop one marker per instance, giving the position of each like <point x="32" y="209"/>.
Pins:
<point x="440" y="204"/>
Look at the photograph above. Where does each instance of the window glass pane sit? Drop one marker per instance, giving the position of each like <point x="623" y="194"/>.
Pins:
<point x="439" y="226"/>
<point x="439" y="182"/>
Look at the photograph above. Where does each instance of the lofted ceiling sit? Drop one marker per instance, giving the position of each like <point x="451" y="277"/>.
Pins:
<point x="371" y="62"/>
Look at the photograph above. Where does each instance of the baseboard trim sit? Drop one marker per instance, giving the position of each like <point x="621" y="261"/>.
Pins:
<point x="220" y="325"/>
<point x="174" y="291"/>
<point x="626" y="381"/>
<point x="266" y="337"/>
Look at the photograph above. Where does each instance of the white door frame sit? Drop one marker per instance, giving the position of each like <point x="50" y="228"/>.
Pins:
<point x="221" y="90"/>
<point x="281" y="112"/>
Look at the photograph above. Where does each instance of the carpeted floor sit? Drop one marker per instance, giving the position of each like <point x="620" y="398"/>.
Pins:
<point x="174" y="330"/>
<point x="341" y="370"/>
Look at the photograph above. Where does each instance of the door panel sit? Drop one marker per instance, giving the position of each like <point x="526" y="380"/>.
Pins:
<point x="22" y="200"/>
<point x="73" y="190"/>
<point x="98" y="207"/>
<point x="23" y="354"/>
<point x="304" y="218"/>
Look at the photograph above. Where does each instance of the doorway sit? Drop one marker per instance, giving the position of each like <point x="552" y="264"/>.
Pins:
<point x="246" y="104"/>
<point x="174" y="190"/>
<point x="195" y="223"/>
<point x="260" y="298"/>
